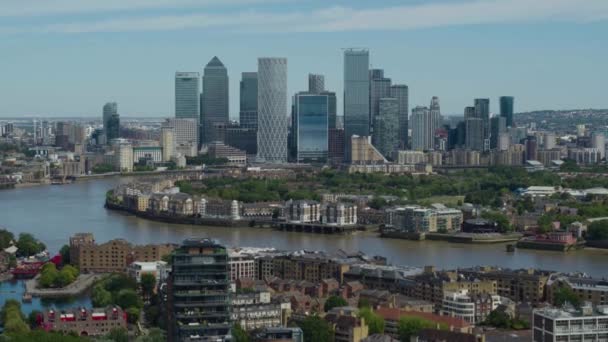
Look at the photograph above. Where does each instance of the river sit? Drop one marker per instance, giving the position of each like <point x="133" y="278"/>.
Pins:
<point x="54" y="213"/>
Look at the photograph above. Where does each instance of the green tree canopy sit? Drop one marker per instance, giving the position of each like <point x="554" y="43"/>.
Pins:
<point x="316" y="329"/>
<point x="148" y="283"/>
<point x="565" y="295"/>
<point x="373" y="320"/>
<point x="504" y="226"/>
<point x="598" y="230"/>
<point x="28" y="245"/>
<point x="65" y="254"/>
<point x="239" y="334"/>
<point x="334" y="302"/>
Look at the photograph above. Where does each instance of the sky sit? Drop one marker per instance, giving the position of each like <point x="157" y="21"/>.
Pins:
<point x="69" y="57"/>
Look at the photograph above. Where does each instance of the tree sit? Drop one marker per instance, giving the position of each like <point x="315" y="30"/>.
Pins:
<point x="48" y="275"/>
<point x="504" y="226"/>
<point x="566" y="295"/>
<point x="65" y="254"/>
<point x="133" y="314"/>
<point x="316" y="329"/>
<point x="28" y="245"/>
<point x="498" y="319"/>
<point x="239" y="334"/>
<point x="334" y="302"/>
<point x="154" y="335"/>
<point x="364" y="303"/>
<point x="128" y="298"/>
<point x="64" y="278"/>
<point x="598" y="230"/>
<point x="13" y="319"/>
<point x="152" y="314"/>
<point x="148" y="284"/>
<point x="6" y="238"/>
<point x="32" y="318"/>
<point x="409" y="326"/>
<point x="118" y="335"/>
<point x="100" y="296"/>
<point x="373" y="320"/>
<point x="377" y="203"/>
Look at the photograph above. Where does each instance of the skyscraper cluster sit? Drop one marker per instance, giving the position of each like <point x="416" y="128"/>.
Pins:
<point x="373" y="106"/>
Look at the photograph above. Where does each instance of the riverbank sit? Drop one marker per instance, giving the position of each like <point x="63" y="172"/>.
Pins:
<point x="80" y="285"/>
<point x="456" y="237"/>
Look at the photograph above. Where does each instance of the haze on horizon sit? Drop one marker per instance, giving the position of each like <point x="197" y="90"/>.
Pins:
<point x="69" y="57"/>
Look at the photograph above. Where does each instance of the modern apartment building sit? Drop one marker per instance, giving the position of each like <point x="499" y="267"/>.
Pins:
<point x="198" y="297"/>
<point x="524" y="285"/>
<point x="569" y="324"/>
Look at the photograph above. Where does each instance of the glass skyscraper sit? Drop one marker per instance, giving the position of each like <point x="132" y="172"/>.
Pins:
<point x="248" y="110"/>
<point x="316" y="83"/>
<point x="215" y="99"/>
<point x="482" y="111"/>
<point x="187" y="95"/>
<point x="272" y="110"/>
<point x="506" y="109"/>
<point x="386" y="127"/>
<point x="311" y="126"/>
<point x="401" y="93"/>
<point x="356" y="95"/>
<point x="109" y="109"/>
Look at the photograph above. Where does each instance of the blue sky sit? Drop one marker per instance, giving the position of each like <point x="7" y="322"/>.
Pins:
<point x="69" y="57"/>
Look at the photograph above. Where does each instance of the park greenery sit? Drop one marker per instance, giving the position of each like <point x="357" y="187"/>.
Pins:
<point x="316" y="329"/>
<point x="373" y="320"/>
<point x="120" y="290"/>
<point x="28" y="245"/>
<point x="102" y="168"/>
<point x="565" y="295"/>
<point x="486" y="187"/>
<point x="598" y="231"/>
<point x="205" y="159"/>
<point x="410" y="326"/>
<point x="13" y="320"/>
<point x="51" y="277"/>
<point x="334" y="302"/>
<point x="500" y="319"/>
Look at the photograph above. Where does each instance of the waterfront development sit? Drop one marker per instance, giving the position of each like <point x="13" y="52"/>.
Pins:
<point x="54" y="213"/>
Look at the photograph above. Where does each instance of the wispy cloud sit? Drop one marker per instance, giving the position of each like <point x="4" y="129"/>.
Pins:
<point x="19" y="8"/>
<point x="333" y="19"/>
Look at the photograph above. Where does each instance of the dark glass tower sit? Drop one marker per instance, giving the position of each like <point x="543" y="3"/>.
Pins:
<point x="248" y="111"/>
<point x="198" y="292"/>
<point x="113" y="128"/>
<point x="215" y="99"/>
<point x="506" y="109"/>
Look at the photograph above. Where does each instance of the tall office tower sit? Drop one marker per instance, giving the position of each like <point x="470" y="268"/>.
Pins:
<point x="272" y="110"/>
<point x="215" y="99"/>
<point x="248" y="111"/>
<point x="461" y="135"/>
<point x="469" y="112"/>
<point x="356" y="95"/>
<point x="386" y="127"/>
<point x="423" y="132"/>
<point x="482" y="111"/>
<point x="531" y="148"/>
<point x="113" y="128"/>
<point x="598" y="140"/>
<point x="504" y="141"/>
<point x="316" y="83"/>
<point x="167" y="143"/>
<point x="198" y="292"/>
<point x="109" y="109"/>
<point x="436" y="114"/>
<point x="549" y="141"/>
<point x="310" y="131"/>
<point x="187" y="101"/>
<point x="474" y="139"/>
<point x="379" y="88"/>
<point x="497" y="126"/>
<point x="506" y="109"/>
<point x="332" y="110"/>
<point x="336" y="145"/>
<point x="185" y="134"/>
<point x="401" y="93"/>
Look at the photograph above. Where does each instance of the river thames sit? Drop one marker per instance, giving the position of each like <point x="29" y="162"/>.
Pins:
<point x="54" y="213"/>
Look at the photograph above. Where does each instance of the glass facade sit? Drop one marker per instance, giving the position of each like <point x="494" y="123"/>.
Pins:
<point x="187" y="91"/>
<point x="199" y="297"/>
<point x="356" y="95"/>
<point x="506" y="109"/>
<point x="215" y="99"/>
<point x="248" y="111"/>
<point x="272" y="110"/>
<point x="311" y="127"/>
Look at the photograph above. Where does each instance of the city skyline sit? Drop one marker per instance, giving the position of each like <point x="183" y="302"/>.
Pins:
<point x="463" y="50"/>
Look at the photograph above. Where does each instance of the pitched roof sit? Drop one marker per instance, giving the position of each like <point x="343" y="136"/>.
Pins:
<point x="395" y="314"/>
<point x="215" y="62"/>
